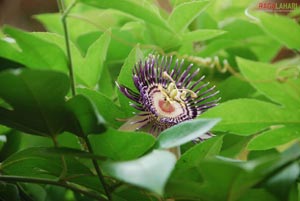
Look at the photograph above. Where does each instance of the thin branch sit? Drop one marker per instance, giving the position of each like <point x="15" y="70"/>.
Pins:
<point x="83" y="141"/>
<point x="98" y="170"/>
<point x="50" y="182"/>
<point x="65" y="13"/>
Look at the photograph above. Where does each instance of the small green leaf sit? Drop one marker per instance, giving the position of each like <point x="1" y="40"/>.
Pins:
<point x="289" y="38"/>
<point x="206" y="149"/>
<point x="184" y="132"/>
<point x="36" y="53"/>
<point x="37" y="99"/>
<point x="91" y="68"/>
<point x="185" y="168"/>
<point x="125" y="77"/>
<point x="119" y="145"/>
<point x="83" y="117"/>
<point x="51" y="22"/>
<point x="185" y="13"/>
<point x="141" y="172"/>
<point x="264" y="76"/>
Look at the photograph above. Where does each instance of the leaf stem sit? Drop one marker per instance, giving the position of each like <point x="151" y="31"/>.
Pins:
<point x="51" y="182"/>
<point x="98" y="170"/>
<point x="65" y="13"/>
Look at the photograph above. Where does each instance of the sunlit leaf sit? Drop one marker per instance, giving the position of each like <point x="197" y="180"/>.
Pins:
<point x="275" y="137"/>
<point x="92" y="66"/>
<point x="35" y="52"/>
<point x="184" y="132"/>
<point x="265" y="78"/>
<point x="185" y="13"/>
<point x="289" y="38"/>
<point x="140" y="172"/>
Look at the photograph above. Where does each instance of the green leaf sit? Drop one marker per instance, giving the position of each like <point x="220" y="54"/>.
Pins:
<point x="32" y="162"/>
<point x="40" y="162"/>
<point x="77" y="25"/>
<point x="275" y="137"/>
<point x="234" y="145"/>
<point x="141" y="172"/>
<point x="11" y="145"/>
<point x="201" y="35"/>
<point x="206" y="149"/>
<point x="9" y="192"/>
<point x="258" y="194"/>
<point x="111" y="114"/>
<point x="219" y="178"/>
<point x="185" y="166"/>
<point x="125" y="76"/>
<point x="10" y="51"/>
<point x="77" y="58"/>
<point x="163" y="38"/>
<point x="33" y="191"/>
<point x="106" y="85"/>
<point x="264" y="76"/>
<point x="35" y="52"/>
<point x="256" y="116"/>
<point x="137" y="9"/>
<point x="231" y="85"/>
<point x="281" y="183"/>
<point x="37" y="99"/>
<point x="119" y="145"/>
<point x="185" y="13"/>
<point x="289" y="38"/>
<point x="51" y="22"/>
<point x="83" y="117"/>
<point x="91" y="68"/>
<point x="184" y="132"/>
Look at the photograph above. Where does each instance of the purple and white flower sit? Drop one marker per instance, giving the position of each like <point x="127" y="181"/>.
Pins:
<point x="167" y="94"/>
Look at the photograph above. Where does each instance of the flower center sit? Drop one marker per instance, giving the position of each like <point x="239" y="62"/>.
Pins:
<point x="166" y="106"/>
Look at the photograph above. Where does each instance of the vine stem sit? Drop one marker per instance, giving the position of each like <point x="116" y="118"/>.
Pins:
<point x="64" y="13"/>
<point x="85" y="143"/>
<point x="51" y="182"/>
<point x="98" y="170"/>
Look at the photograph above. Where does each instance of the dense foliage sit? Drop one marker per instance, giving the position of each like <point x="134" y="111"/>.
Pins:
<point x="60" y="109"/>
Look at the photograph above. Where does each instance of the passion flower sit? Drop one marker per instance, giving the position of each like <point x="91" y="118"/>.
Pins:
<point x="167" y="94"/>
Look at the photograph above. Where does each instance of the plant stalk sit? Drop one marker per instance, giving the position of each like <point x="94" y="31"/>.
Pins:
<point x="85" y="143"/>
<point x="65" y="13"/>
